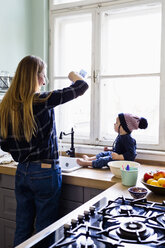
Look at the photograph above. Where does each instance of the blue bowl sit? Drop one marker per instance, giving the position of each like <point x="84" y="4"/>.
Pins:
<point x="138" y="192"/>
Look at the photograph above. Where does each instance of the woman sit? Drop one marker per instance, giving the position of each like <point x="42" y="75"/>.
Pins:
<point x="28" y="133"/>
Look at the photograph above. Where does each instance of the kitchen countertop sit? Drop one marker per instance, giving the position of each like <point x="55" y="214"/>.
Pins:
<point x="94" y="178"/>
<point x="88" y="177"/>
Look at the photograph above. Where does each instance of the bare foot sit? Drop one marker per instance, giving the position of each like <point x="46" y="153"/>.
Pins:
<point x="83" y="162"/>
<point x="85" y="157"/>
<point x="80" y="161"/>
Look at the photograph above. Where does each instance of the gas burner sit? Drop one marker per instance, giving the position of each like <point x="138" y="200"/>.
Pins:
<point x="86" y="243"/>
<point x="126" y="209"/>
<point x="158" y="219"/>
<point x="120" y="223"/>
<point x="133" y="230"/>
<point x="163" y="218"/>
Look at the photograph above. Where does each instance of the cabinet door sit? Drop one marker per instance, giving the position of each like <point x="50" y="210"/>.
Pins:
<point x="7" y="204"/>
<point x="7" y="181"/>
<point x="89" y="193"/>
<point x="7" y="230"/>
<point x="67" y="206"/>
<point x="72" y="193"/>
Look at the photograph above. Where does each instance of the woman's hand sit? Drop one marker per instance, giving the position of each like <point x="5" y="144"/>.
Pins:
<point x="73" y="76"/>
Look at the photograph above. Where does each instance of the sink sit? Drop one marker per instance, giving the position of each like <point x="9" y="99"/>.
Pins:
<point x="68" y="164"/>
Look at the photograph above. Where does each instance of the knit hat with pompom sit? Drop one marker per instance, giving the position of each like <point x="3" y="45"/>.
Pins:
<point x="130" y="122"/>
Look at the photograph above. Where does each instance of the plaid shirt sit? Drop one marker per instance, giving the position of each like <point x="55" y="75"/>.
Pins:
<point x="44" y="145"/>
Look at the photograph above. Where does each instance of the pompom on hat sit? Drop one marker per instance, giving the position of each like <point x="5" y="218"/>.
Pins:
<point x="130" y="122"/>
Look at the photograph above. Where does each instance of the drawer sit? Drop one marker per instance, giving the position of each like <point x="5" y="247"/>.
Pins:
<point x="7" y="204"/>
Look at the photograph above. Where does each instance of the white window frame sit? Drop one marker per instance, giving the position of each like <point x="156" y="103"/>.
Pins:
<point x="76" y="5"/>
<point x="93" y="5"/>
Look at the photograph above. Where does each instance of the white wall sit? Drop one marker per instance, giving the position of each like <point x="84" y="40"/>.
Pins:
<point x="23" y="31"/>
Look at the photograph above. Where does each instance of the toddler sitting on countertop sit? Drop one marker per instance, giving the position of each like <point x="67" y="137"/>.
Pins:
<point x="124" y="146"/>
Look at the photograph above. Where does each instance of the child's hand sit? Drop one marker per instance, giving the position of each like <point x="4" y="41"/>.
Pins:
<point x="106" y="148"/>
<point x="73" y="76"/>
<point x="116" y="156"/>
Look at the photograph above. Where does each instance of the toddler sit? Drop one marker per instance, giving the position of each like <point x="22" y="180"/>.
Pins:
<point x="124" y="146"/>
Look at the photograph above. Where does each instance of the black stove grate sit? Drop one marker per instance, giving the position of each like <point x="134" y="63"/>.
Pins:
<point x="123" y="222"/>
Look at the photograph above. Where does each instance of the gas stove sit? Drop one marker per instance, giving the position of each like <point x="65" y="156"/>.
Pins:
<point x="123" y="222"/>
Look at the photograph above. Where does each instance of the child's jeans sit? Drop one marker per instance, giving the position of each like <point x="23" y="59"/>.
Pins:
<point x="37" y="193"/>
<point x="102" y="159"/>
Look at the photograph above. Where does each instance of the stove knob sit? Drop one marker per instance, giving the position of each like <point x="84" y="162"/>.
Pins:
<point x="80" y="218"/>
<point x="86" y="214"/>
<point x="74" y="223"/>
<point x="67" y="227"/>
<point x="92" y="210"/>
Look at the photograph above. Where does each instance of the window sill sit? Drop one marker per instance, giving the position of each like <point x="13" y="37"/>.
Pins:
<point x="144" y="155"/>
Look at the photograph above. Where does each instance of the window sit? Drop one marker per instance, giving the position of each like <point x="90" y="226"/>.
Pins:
<point x="72" y="39"/>
<point x="119" y="45"/>
<point x="130" y="68"/>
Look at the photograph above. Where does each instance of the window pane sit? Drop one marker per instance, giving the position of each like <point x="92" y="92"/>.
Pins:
<point x="74" y="114"/>
<point x="138" y="96"/>
<point x="72" y="40"/>
<point x="130" y="42"/>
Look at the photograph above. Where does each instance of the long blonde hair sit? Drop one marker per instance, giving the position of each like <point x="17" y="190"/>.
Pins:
<point x="16" y="108"/>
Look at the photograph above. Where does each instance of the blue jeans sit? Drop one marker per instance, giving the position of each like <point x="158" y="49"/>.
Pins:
<point x="102" y="159"/>
<point x="37" y="193"/>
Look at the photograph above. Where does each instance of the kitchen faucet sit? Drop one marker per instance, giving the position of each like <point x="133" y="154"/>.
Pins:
<point x="70" y="152"/>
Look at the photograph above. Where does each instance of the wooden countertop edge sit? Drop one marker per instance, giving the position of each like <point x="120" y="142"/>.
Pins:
<point x="8" y="169"/>
<point x="87" y="182"/>
<point x="69" y="179"/>
<point x="84" y="177"/>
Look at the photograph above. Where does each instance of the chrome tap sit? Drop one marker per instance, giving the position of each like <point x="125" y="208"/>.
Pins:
<point x="70" y="152"/>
